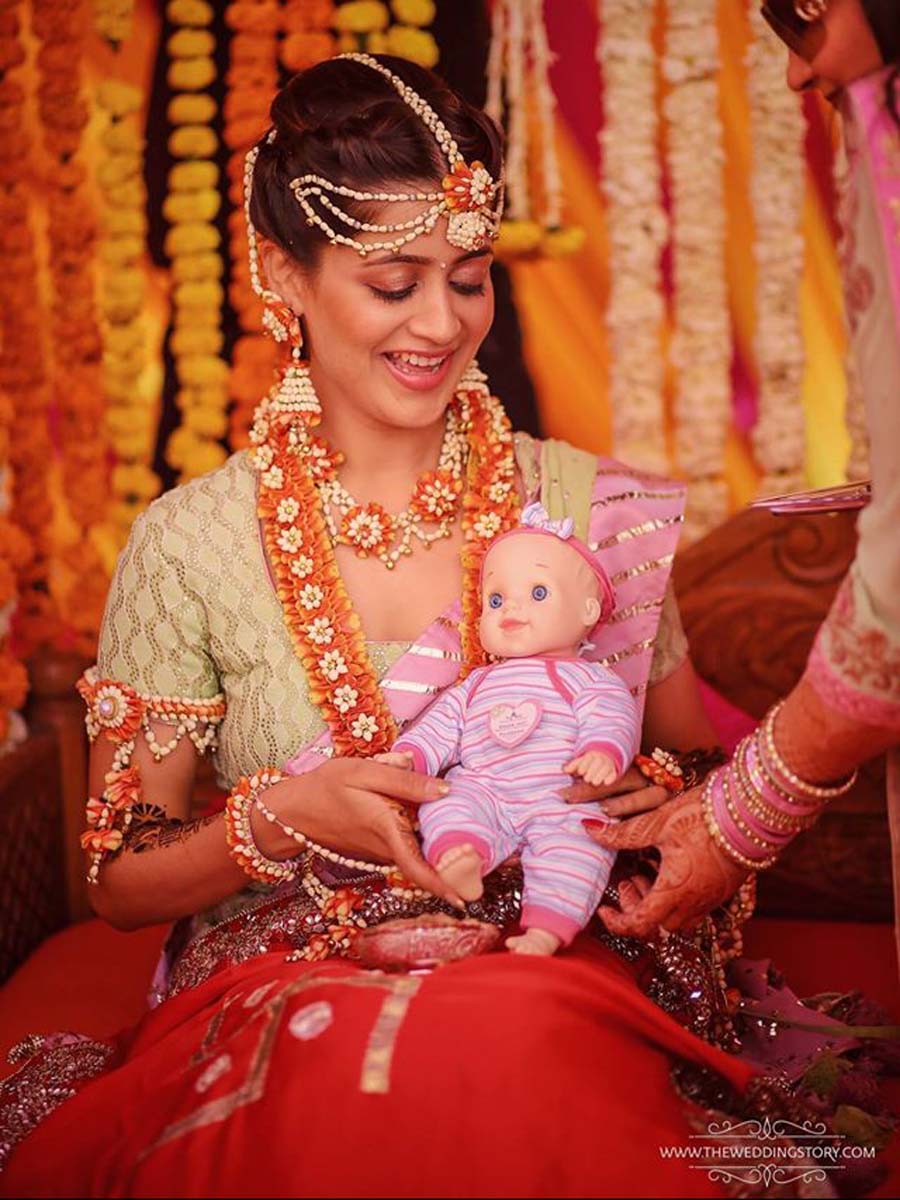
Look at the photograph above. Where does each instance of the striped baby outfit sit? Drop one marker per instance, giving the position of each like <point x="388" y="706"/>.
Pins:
<point x="505" y="733"/>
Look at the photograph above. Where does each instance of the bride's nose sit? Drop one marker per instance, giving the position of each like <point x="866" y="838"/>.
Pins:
<point x="436" y="319"/>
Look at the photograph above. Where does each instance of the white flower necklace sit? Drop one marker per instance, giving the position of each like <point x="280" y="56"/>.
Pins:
<point x="369" y="528"/>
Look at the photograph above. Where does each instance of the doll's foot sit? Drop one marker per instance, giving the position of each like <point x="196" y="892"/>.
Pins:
<point x="461" y="867"/>
<point x="534" y="941"/>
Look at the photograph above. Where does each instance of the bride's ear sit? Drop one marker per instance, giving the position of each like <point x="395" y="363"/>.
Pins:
<point x="284" y="275"/>
<point x="592" y="610"/>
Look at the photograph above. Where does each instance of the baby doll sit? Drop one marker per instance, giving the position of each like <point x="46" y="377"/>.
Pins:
<point x="513" y="732"/>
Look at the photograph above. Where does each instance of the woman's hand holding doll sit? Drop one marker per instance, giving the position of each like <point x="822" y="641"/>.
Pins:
<point x="694" y="876"/>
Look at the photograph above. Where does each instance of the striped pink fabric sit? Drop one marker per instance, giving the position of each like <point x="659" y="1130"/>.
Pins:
<point x="504" y="796"/>
<point x="581" y="705"/>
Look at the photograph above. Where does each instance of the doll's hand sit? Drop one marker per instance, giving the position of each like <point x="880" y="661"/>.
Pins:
<point x="631" y="794"/>
<point x="395" y="758"/>
<point x="594" y="767"/>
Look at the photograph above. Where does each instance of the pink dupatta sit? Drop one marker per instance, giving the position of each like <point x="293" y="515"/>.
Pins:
<point x="633" y="525"/>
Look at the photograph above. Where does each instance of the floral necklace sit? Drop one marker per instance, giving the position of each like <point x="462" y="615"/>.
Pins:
<point x="292" y="464"/>
<point x="370" y="529"/>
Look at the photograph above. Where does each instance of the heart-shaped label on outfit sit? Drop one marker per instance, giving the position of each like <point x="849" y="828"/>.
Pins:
<point x="511" y="724"/>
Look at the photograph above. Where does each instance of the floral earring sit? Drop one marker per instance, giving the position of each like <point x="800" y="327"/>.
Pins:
<point x="295" y="392"/>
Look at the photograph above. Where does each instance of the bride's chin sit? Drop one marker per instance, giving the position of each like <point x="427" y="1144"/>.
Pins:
<point x="418" y="412"/>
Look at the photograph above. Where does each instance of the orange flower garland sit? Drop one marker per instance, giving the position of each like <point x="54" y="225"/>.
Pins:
<point x="80" y="578"/>
<point x="15" y="551"/>
<point x="307" y="33"/>
<point x="191" y="208"/>
<point x="23" y="373"/>
<point x="320" y="618"/>
<point x="252" y="80"/>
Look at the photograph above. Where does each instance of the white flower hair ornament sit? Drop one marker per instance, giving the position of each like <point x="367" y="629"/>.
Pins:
<point x="469" y="197"/>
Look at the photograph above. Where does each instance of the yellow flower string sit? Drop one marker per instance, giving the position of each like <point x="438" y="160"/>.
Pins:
<point x="367" y="25"/>
<point x="192" y="245"/>
<point x="519" y="88"/>
<point x="78" y="576"/>
<point x="252" y="80"/>
<point x="131" y="414"/>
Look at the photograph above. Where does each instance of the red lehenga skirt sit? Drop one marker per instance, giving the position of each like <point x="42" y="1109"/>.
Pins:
<point x="499" y="1075"/>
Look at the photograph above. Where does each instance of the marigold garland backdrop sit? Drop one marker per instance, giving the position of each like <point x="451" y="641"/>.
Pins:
<point x="667" y="285"/>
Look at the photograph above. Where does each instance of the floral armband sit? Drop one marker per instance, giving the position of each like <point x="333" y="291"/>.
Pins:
<point x="120" y="714"/>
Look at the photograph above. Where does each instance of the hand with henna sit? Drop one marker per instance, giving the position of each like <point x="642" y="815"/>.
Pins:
<point x="694" y="875"/>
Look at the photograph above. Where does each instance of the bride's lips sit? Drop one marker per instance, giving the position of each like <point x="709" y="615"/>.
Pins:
<point x="416" y="370"/>
<point x="510" y="624"/>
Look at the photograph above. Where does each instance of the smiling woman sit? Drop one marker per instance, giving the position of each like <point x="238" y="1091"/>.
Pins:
<point x="264" y="604"/>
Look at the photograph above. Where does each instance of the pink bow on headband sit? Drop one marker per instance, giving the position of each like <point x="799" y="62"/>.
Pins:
<point x="535" y="516"/>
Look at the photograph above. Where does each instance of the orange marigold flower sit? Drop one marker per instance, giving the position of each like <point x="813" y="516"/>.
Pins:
<point x="436" y="496"/>
<point x="122" y="789"/>
<point x="468" y="187"/>
<point x="341" y="903"/>
<point x="101" y="841"/>
<point x="317" y="948"/>
<point x="368" y="527"/>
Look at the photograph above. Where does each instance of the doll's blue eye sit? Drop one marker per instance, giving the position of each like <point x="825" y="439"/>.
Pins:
<point x="495" y="600"/>
<point x="539" y="592"/>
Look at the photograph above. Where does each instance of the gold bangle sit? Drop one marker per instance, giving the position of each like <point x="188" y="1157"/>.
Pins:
<point x="813" y="790"/>
<point x="728" y="796"/>
<point x="777" y="820"/>
<point x="712" y="826"/>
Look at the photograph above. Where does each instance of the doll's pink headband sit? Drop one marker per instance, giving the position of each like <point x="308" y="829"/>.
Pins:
<point x="536" y="519"/>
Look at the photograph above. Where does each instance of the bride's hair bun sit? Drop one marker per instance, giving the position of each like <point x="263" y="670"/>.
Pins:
<point x="347" y="123"/>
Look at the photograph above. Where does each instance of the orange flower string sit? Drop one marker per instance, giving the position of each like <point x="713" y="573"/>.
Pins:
<point x="323" y="626"/>
<point x="23" y="376"/>
<point x="15" y="552"/>
<point x="80" y="578"/>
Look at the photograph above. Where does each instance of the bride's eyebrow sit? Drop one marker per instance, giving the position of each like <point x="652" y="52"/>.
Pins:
<point x="417" y="260"/>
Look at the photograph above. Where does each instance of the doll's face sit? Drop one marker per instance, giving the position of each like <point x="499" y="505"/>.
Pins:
<point x="538" y="596"/>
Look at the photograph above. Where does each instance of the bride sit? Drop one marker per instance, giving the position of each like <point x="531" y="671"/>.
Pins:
<point x="301" y="604"/>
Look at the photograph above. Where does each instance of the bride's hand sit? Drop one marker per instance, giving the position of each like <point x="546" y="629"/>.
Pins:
<point x="694" y="875"/>
<point x="356" y="806"/>
<point x="628" y="795"/>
